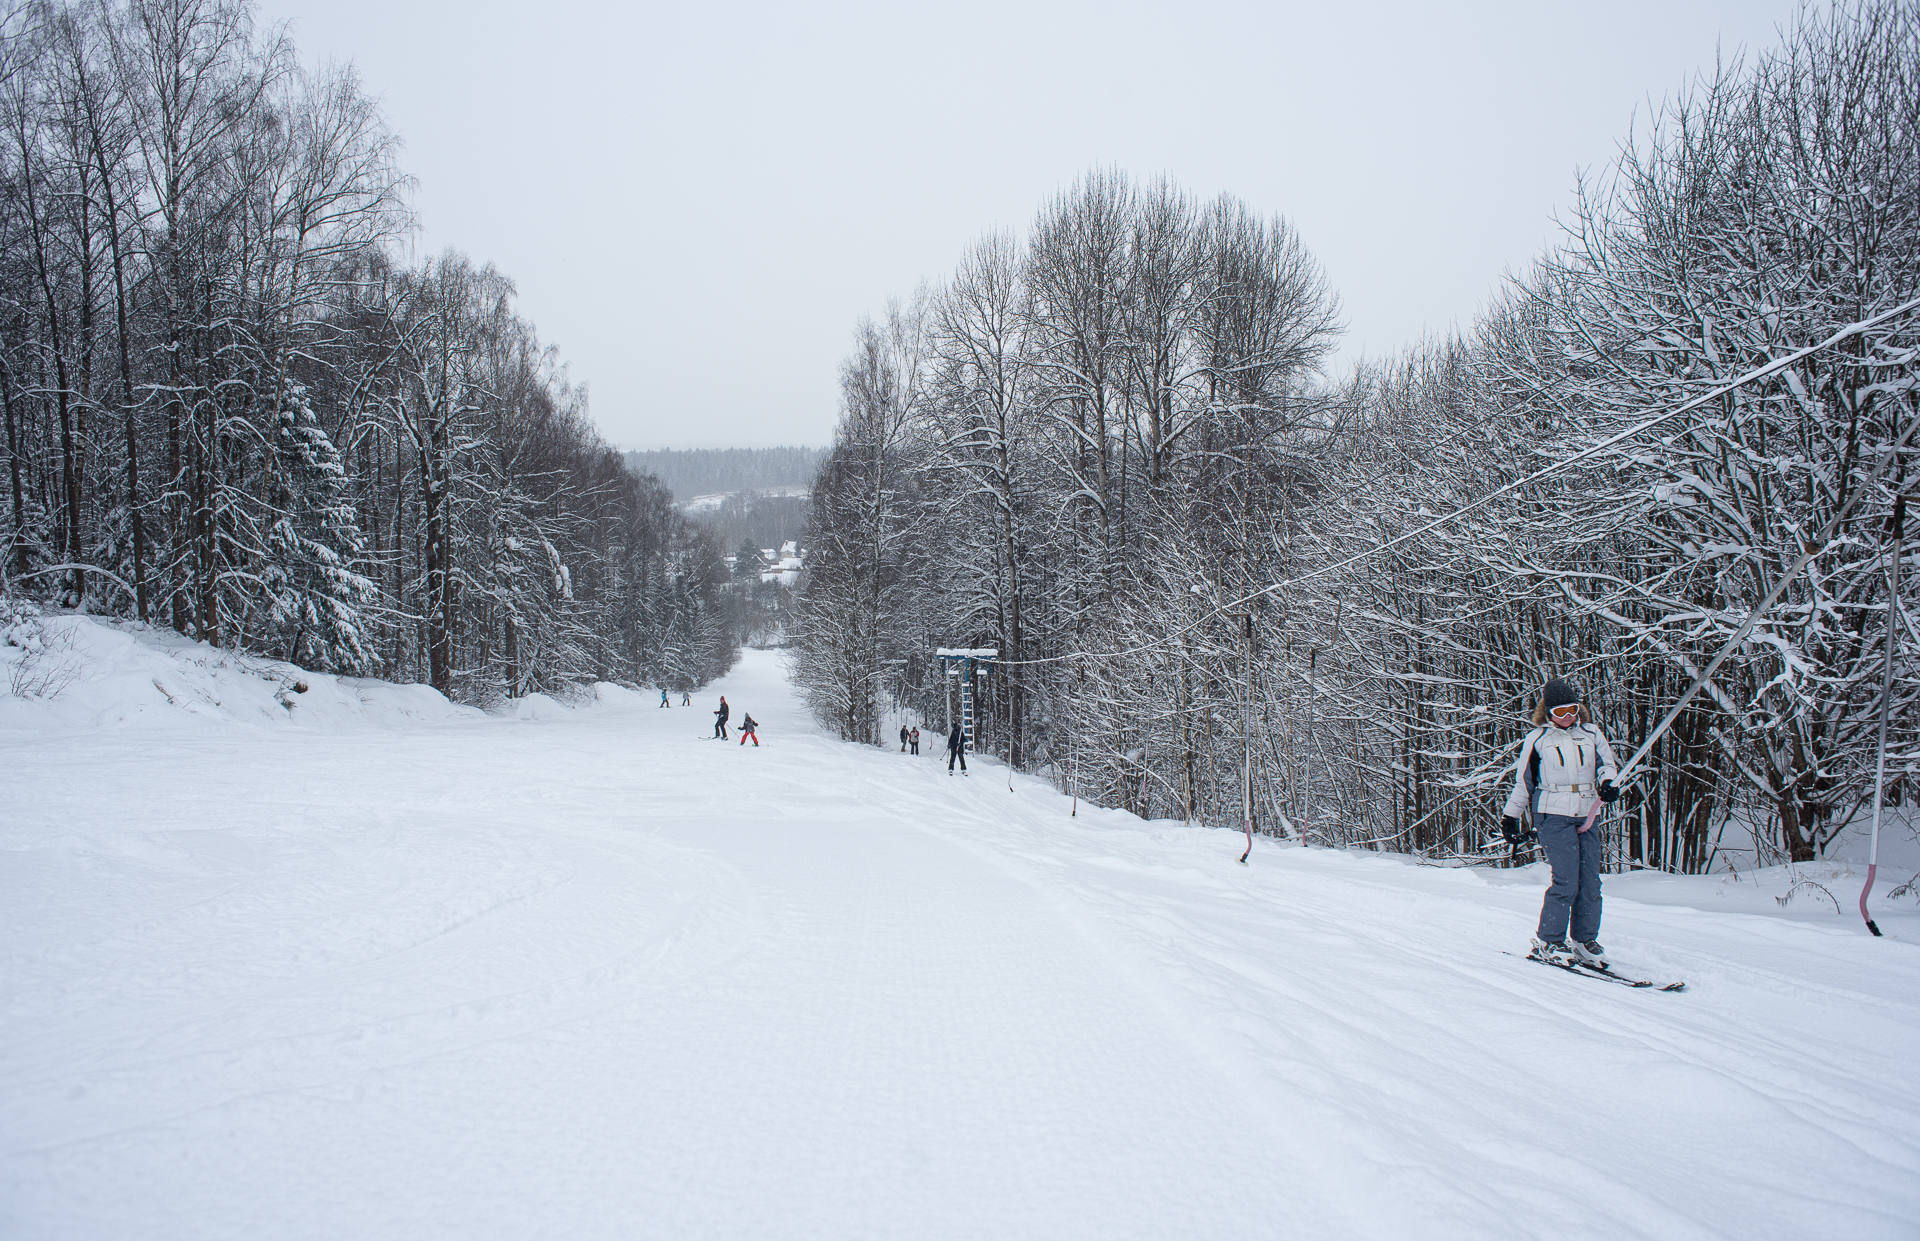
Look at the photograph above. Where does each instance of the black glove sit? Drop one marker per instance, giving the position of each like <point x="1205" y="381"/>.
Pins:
<point x="1608" y="793"/>
<point x="1509" y="829"/>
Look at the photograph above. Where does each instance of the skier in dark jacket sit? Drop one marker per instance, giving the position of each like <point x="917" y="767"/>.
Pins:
<point x="957" y="749"/>
<point x="720" y="719"/>
<point x="903" y="738"/>
<point x="746" y="730"/>
<point x="1565" y="770"/>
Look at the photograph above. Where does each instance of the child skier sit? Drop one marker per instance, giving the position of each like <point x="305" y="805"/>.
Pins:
<point x="1564" y="765"/>
<point x="663" y="698"/>
<point x="720" y="719"/>
<point x="746" y="730"/>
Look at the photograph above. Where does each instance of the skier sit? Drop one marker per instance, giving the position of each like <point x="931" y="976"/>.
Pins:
<point x="686" y="698"/>
<point x="746" y="730"/>
<point x="720" y="719"/>
<point x="903" y="738"/>
<point x="913" y="739"/>
<point x="663" y="698"/>
<point x="957" y="749"/>
<point x="1564" y="764"/>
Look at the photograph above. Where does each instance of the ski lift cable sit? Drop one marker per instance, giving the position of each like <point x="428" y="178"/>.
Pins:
<point x="1758" y="372"/>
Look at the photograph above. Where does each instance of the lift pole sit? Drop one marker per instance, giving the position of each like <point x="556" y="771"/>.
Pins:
<point x="1886" y="697"/>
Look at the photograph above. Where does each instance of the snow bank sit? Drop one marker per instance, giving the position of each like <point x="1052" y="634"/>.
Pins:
<point x="69" y="671"/>
<point x="607" y="694"/>
<point x="531" y="707"/>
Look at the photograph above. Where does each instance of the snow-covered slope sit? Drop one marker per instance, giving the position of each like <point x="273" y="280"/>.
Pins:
<point x="593" y="974"/>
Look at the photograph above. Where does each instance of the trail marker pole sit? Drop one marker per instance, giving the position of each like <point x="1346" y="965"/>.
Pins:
<point x="1306" y="776"/>
<point x="1246" y="743"/>
<point x="1886" y="697"/>
<point x="1006" y="688"/>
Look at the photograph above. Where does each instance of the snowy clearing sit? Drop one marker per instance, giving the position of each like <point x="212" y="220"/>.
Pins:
<point x="377" y="966"/>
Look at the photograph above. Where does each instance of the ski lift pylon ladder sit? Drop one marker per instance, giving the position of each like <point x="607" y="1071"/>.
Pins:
<point x="961" y="662"/>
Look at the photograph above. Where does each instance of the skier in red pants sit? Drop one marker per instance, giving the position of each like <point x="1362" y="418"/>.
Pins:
<point x="746" y="730"/>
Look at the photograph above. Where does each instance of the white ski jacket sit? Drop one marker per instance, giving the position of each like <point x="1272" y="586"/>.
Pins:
<point x="1559" y="771"/>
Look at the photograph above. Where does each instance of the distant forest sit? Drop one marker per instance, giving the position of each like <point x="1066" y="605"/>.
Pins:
<point x="703" y="471"/>
<point x="760" y="520"/>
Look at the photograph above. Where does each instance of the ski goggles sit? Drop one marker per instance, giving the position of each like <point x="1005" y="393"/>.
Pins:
<point x="1568" y="711"/>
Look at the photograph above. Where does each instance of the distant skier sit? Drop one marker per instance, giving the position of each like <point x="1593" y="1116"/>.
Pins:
<point x="686" y="698"/>
<point x="913" y="740"/>
<point x="746" y="730"/>
<point x="1565" y="763"/>
<point x="903" y="738"/>
<point x="720" y="719"/>
<point x="957" y="749"/>
<point x="663" y="699"/>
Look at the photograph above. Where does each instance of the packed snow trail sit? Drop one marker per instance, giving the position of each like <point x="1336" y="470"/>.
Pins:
<point x="593" y="974"/>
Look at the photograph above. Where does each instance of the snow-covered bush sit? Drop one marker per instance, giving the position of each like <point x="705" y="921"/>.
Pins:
<point x="39" y="658"/>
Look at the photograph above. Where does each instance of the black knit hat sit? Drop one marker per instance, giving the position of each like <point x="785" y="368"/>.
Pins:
<point x="1559" y="694"/>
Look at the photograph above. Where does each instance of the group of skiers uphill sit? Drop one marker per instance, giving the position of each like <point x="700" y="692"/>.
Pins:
<point x="956" y="746"/>
<point x="1565" y="771"/>
<point x="720" y="717"/>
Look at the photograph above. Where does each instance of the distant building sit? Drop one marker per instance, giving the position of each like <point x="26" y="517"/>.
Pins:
<point x="785" y="567"/>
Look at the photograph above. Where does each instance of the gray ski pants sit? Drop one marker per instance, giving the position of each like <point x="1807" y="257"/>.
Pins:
<point x="1575" y="858"/>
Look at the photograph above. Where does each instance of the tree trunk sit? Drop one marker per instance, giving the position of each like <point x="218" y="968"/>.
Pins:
<point x="13" y="470"/>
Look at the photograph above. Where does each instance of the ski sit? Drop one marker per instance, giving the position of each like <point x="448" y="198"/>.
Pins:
<point x="1604" y="974"/>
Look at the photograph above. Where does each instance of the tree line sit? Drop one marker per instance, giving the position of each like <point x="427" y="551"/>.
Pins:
<point x="1108" y="449"/>
<point x="691" y="472"/>
<point x="232" y="410"/>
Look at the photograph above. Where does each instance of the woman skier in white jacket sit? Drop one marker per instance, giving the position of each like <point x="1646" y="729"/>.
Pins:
<point x="1565" y="765"/>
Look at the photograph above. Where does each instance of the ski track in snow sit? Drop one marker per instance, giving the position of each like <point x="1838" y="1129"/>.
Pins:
<point x="591" y="974"/>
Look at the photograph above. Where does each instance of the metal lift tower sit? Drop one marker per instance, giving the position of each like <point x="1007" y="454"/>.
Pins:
<point x="964" y="663"/>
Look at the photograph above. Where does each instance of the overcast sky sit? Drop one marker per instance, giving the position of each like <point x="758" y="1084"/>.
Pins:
<point x="698" y="201"/>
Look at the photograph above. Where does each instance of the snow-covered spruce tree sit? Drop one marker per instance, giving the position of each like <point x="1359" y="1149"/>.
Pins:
<point x="316" y="597"/>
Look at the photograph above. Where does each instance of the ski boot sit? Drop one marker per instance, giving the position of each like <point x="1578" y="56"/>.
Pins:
<point x="1590" y="953"/>
<point x="1553" y="952"/>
